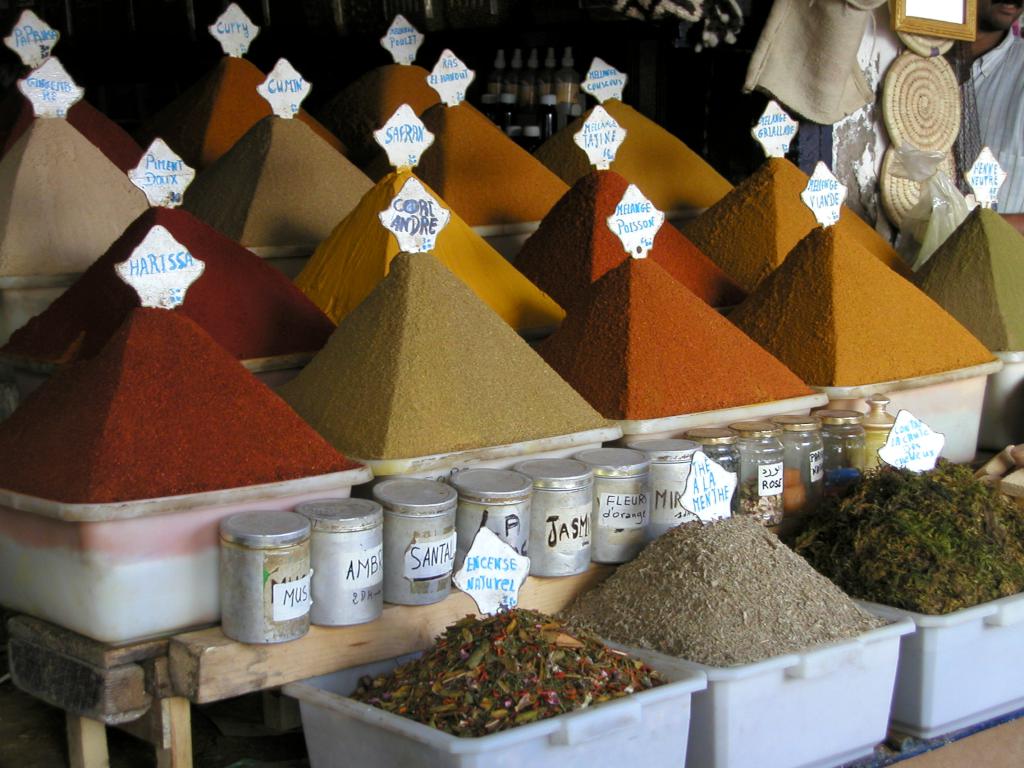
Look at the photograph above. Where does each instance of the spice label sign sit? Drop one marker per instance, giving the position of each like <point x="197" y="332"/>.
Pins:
<point x="32" y="39"/>
<point x="636" y="221"/>
<point x="986" y="177"/>
<point x="415" y="218"/>
<point x="769" y="479"/>
<point x="284" y="89"/>
<point x="817" y="461"/>
<point x="450" y="78"/>
<point x="291" y="599"/>
<point x="709" y="489"/>
<point x="492" y="573"/>
<point x="824" y="195"/>
<point x="911" y="444"/>
<point x="50" y="89"/>
<point x="774" y="130"/>
<point x="160" y="269"/>
<point x="430" y="557"/>
<point x="600" y="137"/>
<point x="404" y="138"/>
<point x="568" y="530"/>
<point x="402" y="40"/>
<point x="363" y="568"/>
<point x="162" y="175"/>
<point x="603" y="81"/>
<point x="234" y="31"/>
<point x="622" y="511"/>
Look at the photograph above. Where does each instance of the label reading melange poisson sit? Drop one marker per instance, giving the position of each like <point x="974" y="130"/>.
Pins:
<point x="32" y="39"/>
<point x="162" y="175"/>
<point x="635" y="222"/>
<point x="450" y="78"/>
<point x="160" y="269"/>
<point x="402" y="40"/>
<point x="404" y="138"/>
<point x="824" y="195"/>
<point x="600" y="137"/>
<point x="284" y="89"/>
<point x="415" y="217"/>
<point x="50" y="89"/>
<point x="234" y="31"/>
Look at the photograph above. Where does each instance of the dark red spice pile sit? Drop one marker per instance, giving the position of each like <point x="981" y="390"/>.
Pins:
<point x="247" y="306"/>
<point x="163" y="410"/>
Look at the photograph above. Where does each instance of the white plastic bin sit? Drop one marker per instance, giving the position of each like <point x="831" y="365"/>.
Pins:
<point x="959" y="669"/>
<point x="648" y="728"/>
<point x="1002" y="415"/>
<point x="22" y="298"/>
<point x="507" y="239"/>
<point x="949" y="403"/>
<point x="823" y="707"/>
<point x="287" y="259"/>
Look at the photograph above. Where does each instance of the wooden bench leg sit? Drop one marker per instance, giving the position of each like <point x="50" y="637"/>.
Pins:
<point x="87" y="742"/>
<point x="176" y="723"/>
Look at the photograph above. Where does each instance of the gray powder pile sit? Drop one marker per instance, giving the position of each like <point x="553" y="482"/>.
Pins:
<point x="722" y="594"/>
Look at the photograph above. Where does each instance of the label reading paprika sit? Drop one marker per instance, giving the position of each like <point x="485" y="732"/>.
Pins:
<point x="769" y="479"/>
<point x="568" y="530"/>
<point x="622" y="510"/>
<point x="430" y="558"/>
<point x="291" y="599"/>
<point x="32" y="39"/>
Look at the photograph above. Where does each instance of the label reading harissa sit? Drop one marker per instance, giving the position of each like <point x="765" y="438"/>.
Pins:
<point x="402" y="40"/>
<point x="430" y="558"/>
<point x="986" y="177"/>
<point x="160" y="269"/>
<point x="492" y="573"/>
<point x="600" y="137"/>
<point x="50" y="89"/>
<point x="450" y="78"/>
<point x="774" y="130"/>
<point x="709" y="489"/>
<point x="32" y="39"/>
<point x="769" y="479"/>
<point x="162" y="175"/>
<point x="824" y="195"/>
<point x="404" y="138"/>
<point x="234" y="31"/>
<point x="284" y="89"/>
<point x="636" y="221"/>
<point x="291" y="599"/>
<point x="603" y="81"/>
<point x="911" y="444"/>
<point x="415" y="217"/>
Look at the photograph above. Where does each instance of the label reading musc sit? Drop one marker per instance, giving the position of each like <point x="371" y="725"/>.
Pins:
<point x="404" y="138"/>
<point x="817" y="459"/>
<point x="291" y="599"/>
<point x="600" y="137"/>
<point x="415" y="217"/>
<point x="912" y="444"/>
<point x="492" y="573"/>
<point x="363" y="568"/>
<point x="32" y="39"/>
<point x="50" y="89"/>
<point x="769" y="479"/>
<point x="402" y="40"/>
<point x="450" y="78"/>
<point x="636" y="221"/>
<point x="284" y="89"/>
<point x="986" y="177"/>
<point x="774" y="130"/>
<point x="160" y="270"/>
<point x="603" y="81"/>
<point x="162" y="175"/>
<point x="568" y="531"/>
<point x="430" y="558"/>
<point x="824" y="195"/>
<point x="709" y="489"/>
<point x="622" y="510"/>
<point x="234" y="31"/>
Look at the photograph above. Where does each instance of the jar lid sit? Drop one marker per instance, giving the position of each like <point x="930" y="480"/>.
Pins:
<point x="556" y="474"/>
<point x="840" y="417"/>
<point x="615" y="462"/>
<point x="756" y="429"/>
<point x="492" y="486"/>
<point x="666" y="451"/>
<point x="411" y="496"/>
<point x="878" y="418"/>
<point x="265" y="529"/>
<point x="338" y="515"/>
<point x="712" y="435"/>
<point x="797" y="423"/>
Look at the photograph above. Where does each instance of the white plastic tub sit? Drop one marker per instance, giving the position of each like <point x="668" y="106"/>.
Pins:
<point x="1002" y="414"/>
<point x="648" y="728"/>
<point x="287" y="259"/>
<point x="507" y="239"/>
<point x="949" y="403"/>
<point x="959" y="669"/>
<point x="22" y="298"/>
<point x="126" y="571"/>
<point x="823" y="707"/>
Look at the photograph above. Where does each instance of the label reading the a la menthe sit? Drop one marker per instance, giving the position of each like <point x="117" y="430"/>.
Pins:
<point x="451" y="78"/>
<point x="604" y="81"/>
<point x="635" y="222"/>
<point x="568" y="530"/>
<point x="234" y="31"/>
<point x="986" y="178"/>
<point x="32" y="39"/>
<point x="770" y="479"/>
<point x="775" y="130"/>
<point x="50" y="89"/>
<point x="160" y="269"/>
<point x="162" y="175"/>
<point x="824" y="195"/>
<point x="709" y="490"/>
<point x="600" y="137"/>
<point x="402" y="40"/>
<point x="622" y="511"/>
<point x="284" y="89"/>
<point x="429" y="557"/>
<point x="291" y="599"/>
<point x="415" y="217"/>
<point x="404" y="138"/>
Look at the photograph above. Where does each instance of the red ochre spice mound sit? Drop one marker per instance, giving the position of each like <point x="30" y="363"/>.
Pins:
<point x="575" y="247"/>
<point x="163" y="410"/>
<point x="247" y="306"/>
<point x="639" y="345"/>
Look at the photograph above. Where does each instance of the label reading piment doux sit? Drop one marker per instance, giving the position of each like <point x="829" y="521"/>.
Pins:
<point x="774" y="130"/>
<point x="402" y="40"/>
<point x="600" y="137"/>
<point x="986" y="177"/>
<point x="636" y="221"/>
<point x="234" y="31"/>
<point x="415" y="217"/>
<point x="162" y="175"/>
<point x="450" y="78"/>
<point x="32" y="39"/>
<point x="50" y="89"/>
<point x="912" y="444"/>
<point x="824" y="195"/>
<point x="492" y="573"/>
<point x="603" y="81"/>
<point x="160" y="269"/>
<point x="284" y="89"/>
<point x="709" y="489"/>
<point x="430" y="558"/>
<point x="404" y="138"/>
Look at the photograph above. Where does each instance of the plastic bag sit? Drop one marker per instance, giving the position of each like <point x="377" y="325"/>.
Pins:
<point x="940" y="208"/>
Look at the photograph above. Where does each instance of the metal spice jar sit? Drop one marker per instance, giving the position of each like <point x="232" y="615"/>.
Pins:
<point x="842" y="434"/>
<point x="560" y="515"/>
<point x="670" y="469"/>
<point x="802" y="458"/>
<point x="498" y="499"/>
<point x="621" y="502"/>
<point x="761" y="470"/>
<point x="419" y="539"/>
<point x="264" y="576"/>
<point x="347" y="553"/>
<point x="719" y="445"/>
<point x="877" y="424"/>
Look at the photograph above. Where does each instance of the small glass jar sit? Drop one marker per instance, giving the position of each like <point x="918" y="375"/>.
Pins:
<point x="761" y="470"/>
<point x="560" y="515"/>
<point x="719" y="445"/>
<point x="498" y="499"/>
<point x="802" y="459"/>
<point x="670" y="469"/>
<point x="621" y="502"/>
<point x="877" y="424"/>
<point x="842" y="434"/>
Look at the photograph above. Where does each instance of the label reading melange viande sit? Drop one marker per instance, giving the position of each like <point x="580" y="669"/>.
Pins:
<point x="450" y="78"/>
<point x="32" y="39"/>
<point x="415" y="217"/>
<point x="775" y="130"/>
<point x="635" y="222"/>
<point x="162" y="175"/>
<point x="234" y="31"/>
<point x="404" y="138"/>
<point x="402" y="40"/>
<point x="160" y="269"/>
<point x="284" y="89"/>
<point x="603" y="81"/>
<point x="600" y="137"/>
<point x="986" y="178"/>
<point x="824" y="195"/>
<point x="50" y="89"/>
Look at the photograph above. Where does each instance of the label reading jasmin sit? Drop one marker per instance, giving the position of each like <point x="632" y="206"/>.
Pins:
<point x="600" y="137"/>
<point x="636" y="221"/>
<point x="568" y="530"/>
<point x="363" y="568"/>
<point x="709" y="490"/>
<point x="404" y="138"/>
<point x="603" y="81"/>
<point x="986" y="177"/>
<point x="774" y="130"/>
<point x="824" y="195"/>
<point x="450" y="78"/>
<point x="817" y="465"/>
<point x="291" y="599"/>
<point x="50" y="89"/>
<point x="912" y="444"/>
<point x="162" y="175"/>
<point x="430" y="558"/>
<point x="415" y="217"/>
<point x="622" y="511"/>
<point x="234" y="31"/>
<point x="769" y="479"/>
<point x="492" y="573"/>
<point x="284" y="89"/>
<point x="32" y="39"/>
<point x="160" y="269"/>
<point x="402" y="40"/>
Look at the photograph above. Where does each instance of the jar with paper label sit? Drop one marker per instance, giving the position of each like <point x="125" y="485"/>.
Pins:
<point x="264" y="576"/>
<point x="877" y="424"/>
<point x="346" y="548"/>
<point x="498" y="499"/>
<point x="560" y="515"/>
<point x="621" y="502"/>
<point x="761" y="470"/>
<point x="419" y="539"/>
<point x="842" y="433"/>
<point x="719" y="445"/>
<point x="670" y="469"/>
<point x="802" y="459"/>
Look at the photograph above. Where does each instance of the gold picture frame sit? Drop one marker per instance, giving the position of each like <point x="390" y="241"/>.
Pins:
<point x="932" y="27"/>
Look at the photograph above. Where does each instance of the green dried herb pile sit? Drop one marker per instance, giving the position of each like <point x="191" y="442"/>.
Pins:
<point x="492" y="674"/>
<point x="933" y="542"/>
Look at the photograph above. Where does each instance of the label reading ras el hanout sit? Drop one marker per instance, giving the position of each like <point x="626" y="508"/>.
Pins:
<point x="450" y="78"/>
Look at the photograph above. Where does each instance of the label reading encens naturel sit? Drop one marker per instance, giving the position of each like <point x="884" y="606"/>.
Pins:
<point x="404" y="138"/>
<point x="32" y="39"/>
<point x="450" y="78"/>
<point x="415" y="217"/>
<point x="769" y="479"/>
<point x="622" y="510"/>
<point x="402" y="40"/>
<point x="636" y="221"/>
<point x="603" y="81"/>
<point x="234" y="31"/>
<point x="284" y="89"/>
<point x="50" y="89"/>
<point x="774" y="130"/>
<point x="291" y="599"/>
<point x="709" y="490"/>
<point x="160" y="269"/>
<point x="986" y="177"/>
<point x="492" y="573"/>
<point x="430" y="557"/>
<point x="162" y="175"/>
<point x="600" y="137"/>
<point x="824" y="195"/>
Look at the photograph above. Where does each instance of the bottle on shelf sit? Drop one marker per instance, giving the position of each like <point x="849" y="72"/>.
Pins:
<point x="531" y="138"/>
<point x="497" y="76"/>
<point x="489" y="106"/>
<point x="547" y="116"/>
<point x="546" y="76"/>
<point x="511" y="81"/>
<point x="567" y="85"/>
<point x="526" y="98"/>
<point x="506" y="111"/>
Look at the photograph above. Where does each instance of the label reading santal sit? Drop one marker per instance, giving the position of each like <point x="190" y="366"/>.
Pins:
<point x="568" y="530"/>
<point x="363" y="568"/>
<point x="160" y="269"/>
<point x="603" y="81"/>
<point x="912" y="444"/>
<point x="636" y="221"/>
<point x="775" y="130"/>
<point x="234" y="31"/>
<point x="291" y="599"/>
<point x="32" y="39"/>
<point x="402" y="40"/>
<point x="600" y="137"/>
<point x="824" y="195"/>
<point x="817" y="465"/>
<point x="986" y="177"/>
<point x="284" y="89"/>
<point x="162" y="175"/>
<point x="50" y="89"/>
<point x="492" y="573"/>
<point x="430" y="558"/>
<point x="450" y="78"/>
<point x="769" y="479"/>
<point x="404" y="138"/>
<point x="709" y="489"/>
<point x="415" y="218"/>
<point x="622" y="510"/>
